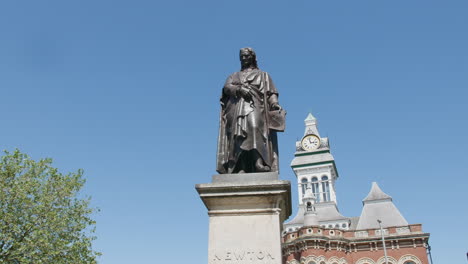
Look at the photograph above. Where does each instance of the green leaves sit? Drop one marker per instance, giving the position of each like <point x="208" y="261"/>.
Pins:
<point x="42" y="219"/>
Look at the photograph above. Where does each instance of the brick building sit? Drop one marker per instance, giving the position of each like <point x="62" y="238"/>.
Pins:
<point x="319" y="234"/>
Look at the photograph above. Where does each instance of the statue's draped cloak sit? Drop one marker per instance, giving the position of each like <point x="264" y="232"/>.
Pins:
<point x="243" y="124"/>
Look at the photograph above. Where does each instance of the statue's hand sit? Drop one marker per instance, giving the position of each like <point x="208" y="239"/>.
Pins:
<point x="276" y="106"/>
<point x="245" y="93"/>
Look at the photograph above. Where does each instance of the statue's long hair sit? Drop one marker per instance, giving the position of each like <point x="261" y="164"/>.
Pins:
<point x="252" y="52"/>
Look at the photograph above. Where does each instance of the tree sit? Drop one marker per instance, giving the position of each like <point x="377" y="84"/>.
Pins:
<point x="42" y="218"/>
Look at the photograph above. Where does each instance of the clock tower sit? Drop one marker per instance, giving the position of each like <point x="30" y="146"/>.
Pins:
<point x="315" y="169"/>
<point x="314" y="165"/>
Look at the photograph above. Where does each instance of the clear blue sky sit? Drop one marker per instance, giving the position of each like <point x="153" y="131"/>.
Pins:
<point x="129" y="90"/>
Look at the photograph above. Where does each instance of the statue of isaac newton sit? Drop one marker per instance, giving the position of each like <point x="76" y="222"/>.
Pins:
<point x="249" y="120"/>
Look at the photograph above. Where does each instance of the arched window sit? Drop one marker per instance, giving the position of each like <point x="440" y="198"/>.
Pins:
<point x="325" y="188"/>
<point x="408" y="259"/>
<point x="390" y="259"/>
<point x="315" y="188"/>
<point x="304" y="185"/>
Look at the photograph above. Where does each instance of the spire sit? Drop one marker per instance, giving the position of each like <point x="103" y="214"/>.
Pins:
<point x="311" y="125"/>
<point x="376" y="194"/>
<point x="310" y="118"/>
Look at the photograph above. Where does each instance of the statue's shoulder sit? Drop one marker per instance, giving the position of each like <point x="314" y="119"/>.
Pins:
<point x="260" y="72"/>
<point x="237" y="73"/>
<point x="266" y="73"/>
<point x="234" y="76"/>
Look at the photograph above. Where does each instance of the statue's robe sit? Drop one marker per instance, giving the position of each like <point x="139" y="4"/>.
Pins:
<point x="244" y="124"/>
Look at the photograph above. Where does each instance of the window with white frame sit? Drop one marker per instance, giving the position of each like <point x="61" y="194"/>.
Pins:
<point x="315" y="188"/>
<point x="304" y="185"/>
<point x="325" y="189"/>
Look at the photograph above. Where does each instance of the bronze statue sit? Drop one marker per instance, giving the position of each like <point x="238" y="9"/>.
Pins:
<point x="250" y="117"/>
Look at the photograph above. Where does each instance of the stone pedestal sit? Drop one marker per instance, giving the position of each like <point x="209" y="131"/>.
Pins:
<point x="246" y="214"/>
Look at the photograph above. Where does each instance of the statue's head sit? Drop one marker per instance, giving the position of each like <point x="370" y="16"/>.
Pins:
<point x="248" y="58"/>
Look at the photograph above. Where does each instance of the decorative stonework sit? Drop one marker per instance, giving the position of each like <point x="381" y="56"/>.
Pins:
<point x="336" y="260"/>
<point x="409" y="258"/>
<point x="391" y="260"/>
<point x="335" y="225"/>
<point x="298" y="146"/>
<point x="378" y="233"/>
<point x="403" y="230"/>
<point x="313" y="258"/>
<point x="293" y="261"/>
<point x="365" y="261"/>
<point x="361" y="234"/>
<point x="324" y="143"/>
<point x="307" y="171"/>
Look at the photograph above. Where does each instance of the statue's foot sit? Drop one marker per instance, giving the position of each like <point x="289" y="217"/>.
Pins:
<point x="241" y="171"/>
<point x="260" y="167"/>
<point x="264" y="169"/>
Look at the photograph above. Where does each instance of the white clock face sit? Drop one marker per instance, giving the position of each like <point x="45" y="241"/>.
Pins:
<point x="310" y="142"/>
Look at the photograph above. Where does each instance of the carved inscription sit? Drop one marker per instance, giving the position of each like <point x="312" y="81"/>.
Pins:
<point x="242" y="257"/>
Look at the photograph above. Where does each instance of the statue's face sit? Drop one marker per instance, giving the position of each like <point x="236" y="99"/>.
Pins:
<point x="246" y="58"/>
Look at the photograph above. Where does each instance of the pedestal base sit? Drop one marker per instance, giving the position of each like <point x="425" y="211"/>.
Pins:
<point x="246" y="214"/>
